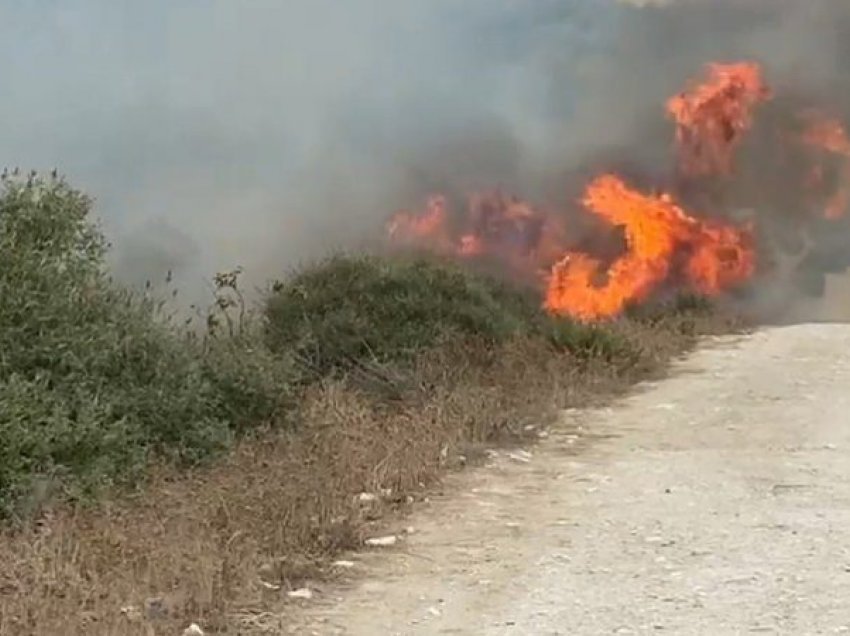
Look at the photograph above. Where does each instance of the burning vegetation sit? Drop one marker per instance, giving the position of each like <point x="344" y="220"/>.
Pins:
<point x="680" y="236"/>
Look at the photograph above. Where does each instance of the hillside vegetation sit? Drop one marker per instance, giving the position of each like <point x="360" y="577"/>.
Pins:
<point x="147" y="444"/>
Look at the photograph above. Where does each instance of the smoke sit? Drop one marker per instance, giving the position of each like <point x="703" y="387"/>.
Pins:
<point x="260" y="133"/>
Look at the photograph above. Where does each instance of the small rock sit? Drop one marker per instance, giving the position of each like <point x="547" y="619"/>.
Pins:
<point x="433" y="611"/>
<point x="523" y="457"/>
<point x="269" y="586"/>
<point x="343" y="564"/>
<point x="382" y="542"/>
<point x="409" y="530"/>
<point x="132" y="613"/>
<point x="367" y="497"/>
<point x="543" y="434"/>
<point x="386" y="492"/>
<point x="193" y="630"/>
<point x="304" y="592"/>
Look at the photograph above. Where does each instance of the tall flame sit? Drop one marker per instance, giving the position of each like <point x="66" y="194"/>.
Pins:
<point x="828" y="135"/>
<point x="711" y="117"/>
<point x="664" y="243"/>
<point x="655" y="229"/>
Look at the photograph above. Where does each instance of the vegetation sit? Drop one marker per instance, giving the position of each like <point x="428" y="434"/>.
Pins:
<point x="350" y="309"/>
<point x="359" y="373"/>
<point x="93" y="378"/>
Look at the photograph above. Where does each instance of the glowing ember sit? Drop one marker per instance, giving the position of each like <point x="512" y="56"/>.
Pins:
<point x="712" y="117"/>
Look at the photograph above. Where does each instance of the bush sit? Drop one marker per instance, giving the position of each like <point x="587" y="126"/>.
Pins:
<point x="92" y="379"/>
<point x="349" y="310"/>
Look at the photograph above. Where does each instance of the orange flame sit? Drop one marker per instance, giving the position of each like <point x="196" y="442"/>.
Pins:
<point x="712" y="116"/>
<point x="827" y="135"/>
<point x="655" y="228"/>
<point x="664" y="243"/>
<point x="494" y="225"/>
<point x="428" y="229"/>
<point x="714" y="256"/>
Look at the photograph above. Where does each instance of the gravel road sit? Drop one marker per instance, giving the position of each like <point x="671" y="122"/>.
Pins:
<point x="716" y="501"/>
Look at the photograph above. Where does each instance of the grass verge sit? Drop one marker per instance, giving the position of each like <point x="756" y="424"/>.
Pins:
<point x="360" y="374"/>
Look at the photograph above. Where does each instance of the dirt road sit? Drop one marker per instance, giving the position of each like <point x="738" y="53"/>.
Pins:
<point x="714" y="502"/>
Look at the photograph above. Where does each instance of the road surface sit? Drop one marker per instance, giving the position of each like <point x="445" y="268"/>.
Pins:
<point x="716" y="501"/>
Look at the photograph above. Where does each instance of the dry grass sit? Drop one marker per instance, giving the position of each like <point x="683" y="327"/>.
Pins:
<point x="222" y="545"/>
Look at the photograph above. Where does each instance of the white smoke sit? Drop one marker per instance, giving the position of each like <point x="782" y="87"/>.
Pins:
<point x="216" y="133"/>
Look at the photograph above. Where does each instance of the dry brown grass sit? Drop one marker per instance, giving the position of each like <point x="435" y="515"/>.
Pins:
<point x="221" y="546"/>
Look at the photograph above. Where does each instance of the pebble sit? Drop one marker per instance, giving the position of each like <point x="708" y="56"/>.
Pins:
<point x="382" y="542"/>
<point x="304" y="592"/>
<point x="523" y="457"/>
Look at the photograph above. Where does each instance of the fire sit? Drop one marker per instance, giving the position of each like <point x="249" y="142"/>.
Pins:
<point x="428" y="229"/>
<point x="825" y="132"/>
<point x="658" y="233"/>
<point x="711" y="117"/>
<point x="493" y="226"/>
<point x="656" y="229"/>
<point x="664" y="244"/>
<point x="827" y="137"/>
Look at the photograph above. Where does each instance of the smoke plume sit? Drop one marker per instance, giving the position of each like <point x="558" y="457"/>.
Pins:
<point x="260" y="133"/>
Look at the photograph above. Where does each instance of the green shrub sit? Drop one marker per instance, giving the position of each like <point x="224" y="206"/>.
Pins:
<point x="683" y="304"/>
<point x="92" y="380"/>
<point x="347" y="310"/>
<point x="591" y="342"/>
